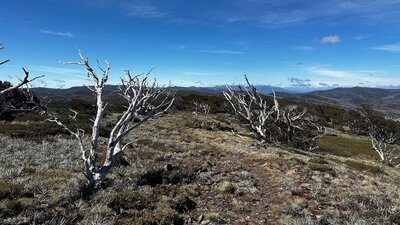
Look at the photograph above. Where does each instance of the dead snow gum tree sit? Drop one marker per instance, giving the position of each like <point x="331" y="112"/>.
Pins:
<point x="145" y="99"/>
<point x="269" y="122"/>
<point x="384" y="143"/>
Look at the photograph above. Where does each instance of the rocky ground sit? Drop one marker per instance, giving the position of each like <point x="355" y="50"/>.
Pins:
<point x="195" y="169"/>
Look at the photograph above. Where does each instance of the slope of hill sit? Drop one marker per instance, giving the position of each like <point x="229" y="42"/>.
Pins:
<point x="385" y="101"/>
<point x="73" y="91"/>
<point x="185" y="170"/>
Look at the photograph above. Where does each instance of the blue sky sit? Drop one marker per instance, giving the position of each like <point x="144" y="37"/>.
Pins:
<point x="287" y="43"/>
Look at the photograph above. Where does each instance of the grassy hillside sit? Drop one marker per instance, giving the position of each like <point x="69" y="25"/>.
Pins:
<point x="385" y="101"/>
<point x="199" y="169"/>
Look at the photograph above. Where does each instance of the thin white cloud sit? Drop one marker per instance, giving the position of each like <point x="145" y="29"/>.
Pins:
<point x="221" y="51"/>
<point x="388" y="48"/>
<point x="233" y="19"/>
<point x="179" y="47"/>
<point x="298" y="82"/>
<point x="63" y="34"/>
<point x="263" y="13"/>
<point x="331" y="73"/>
<point x="184" y="83"/>
<point x="143" y="10"/>
<point x="304" y="48"/>
<point x="59" y="81"/>
<point x="186" y="21"/>
<point x="370" y="78"/>
<point x="330" y="39"/>
<point x="193" y="73"/>
<point x="42" y="83"/>
<point x="58" y="71"/>
<point x="360" y="37"/>
<point x="283" y="13"/>
<point x="283" y="19"/>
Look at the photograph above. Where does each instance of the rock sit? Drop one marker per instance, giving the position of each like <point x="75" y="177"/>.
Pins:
<point x="305" y="185"/>
<point x="201" y="217"/>
<point x="205" y="222"/>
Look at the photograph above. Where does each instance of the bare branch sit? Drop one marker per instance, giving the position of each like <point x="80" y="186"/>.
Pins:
<point x="5" y="61"/>
<point x="384" y="145"/>
<point x="201" y="108"/>
<point x="267" y="121"/>
<point x="146" y="100"/>
<point x="23" y="82"/>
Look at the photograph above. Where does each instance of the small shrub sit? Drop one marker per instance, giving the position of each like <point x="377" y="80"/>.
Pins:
<point x="138" y="200"/>
<point x="183" y="204"/>
<point x="293" y="162"/>
<point x="322" y="168"/>
<point x="168" y="175"/>
<point x="318" y="160"/>
<point x="227" y="187"/>
<point x="214" y="217"/>
<point x="294" y="210"/>
<point x="10" y="190"/>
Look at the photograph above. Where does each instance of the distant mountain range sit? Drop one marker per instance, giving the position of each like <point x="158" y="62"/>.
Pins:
<point x="385" y="101"/>
<point x="265" y="89"/>
<point x="83" y="91"/>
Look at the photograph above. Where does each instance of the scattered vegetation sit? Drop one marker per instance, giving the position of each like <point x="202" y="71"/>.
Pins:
<point x="185" y="169"/>
<point x="192" y="175"/>
<point x="360" y="166"/>
<point x="201" y="107"/>
<point x="271" y="123"/>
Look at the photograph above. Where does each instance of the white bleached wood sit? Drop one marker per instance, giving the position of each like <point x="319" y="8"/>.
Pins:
<point x="146" y="100"/>
<point x="261" y="116"/>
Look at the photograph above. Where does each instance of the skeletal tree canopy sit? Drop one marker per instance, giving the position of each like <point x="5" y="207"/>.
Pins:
<point x="269" y="122"/>
<point x="145" y="100"/>
<point x="384" y="137"/>
<point x="201" y="107"/>
<point x="385" y="145"/>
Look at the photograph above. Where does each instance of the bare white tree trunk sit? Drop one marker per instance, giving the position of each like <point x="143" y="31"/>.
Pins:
<point x="268" y="121"/>
<point x="248" y="104"/>
<point x="145" y="101"/>
<point x="201" y="107"/>
<point x="384" y="144"/>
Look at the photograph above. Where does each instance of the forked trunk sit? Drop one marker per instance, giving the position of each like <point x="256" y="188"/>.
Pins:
<point x="97" y="178"/>
<point x="140" y="95"/>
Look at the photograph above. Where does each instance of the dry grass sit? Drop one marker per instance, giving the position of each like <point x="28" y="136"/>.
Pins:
<point x="179" y="173"/>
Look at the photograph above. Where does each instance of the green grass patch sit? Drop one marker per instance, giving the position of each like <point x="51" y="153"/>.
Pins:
<point x="346" y="147"/>
<point x="363" y="167"/>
